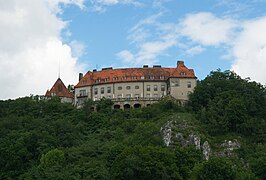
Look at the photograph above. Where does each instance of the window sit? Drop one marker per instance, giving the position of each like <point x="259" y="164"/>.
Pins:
<point x="124" y="78"/>
<point x="183" y="73"/>
<point x="136" y="87"/>
<point x="84" y="82"/>
<point x="133" y="77"/>
<point x="175" y="83"/>
<point x="155" y="95"/>
<point x="148" y="95"/>
<point x="95" y="91"/>
<point x="142" y="77"/>
<point x="162" y="87"/>
<point x="82" y="92"/>
<point x="188" y="84"/>
<point x="161" y="77"/>
<point x="115" y="78"/>
<point x="119" y="88"/>
<point x="108" y="97"/>
<point x="128" y="87"/>
<point x="128" y="96"/>
<point x="95" y="98"/>
<point x="53" y="94"/>
<point x="102" y="90"/>
<point x="155" y="88"/>
<point x="119" y="96"/>
<point x="108" y="89"/>
<point x="148" y="87"/>
<point x="105" y="80"/>
<point x="137" y="96"/>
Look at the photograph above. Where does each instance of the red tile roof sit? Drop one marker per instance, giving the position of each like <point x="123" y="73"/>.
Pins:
<point x="135" y="74"/>
<point x="59" y="89"/>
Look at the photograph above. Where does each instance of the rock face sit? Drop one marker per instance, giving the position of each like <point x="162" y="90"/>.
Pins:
<point x="229" y="146"/>
<point x="167" y="133"/>
<point x="195" y="140"/>
<point x="206" y="150"/>
<point x="170" y="138"/>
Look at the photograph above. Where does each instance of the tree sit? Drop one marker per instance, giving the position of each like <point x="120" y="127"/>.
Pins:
<point x="104" y="105"/>
<point x="227" y="103"/>
<point x="186" y="159"/>
<point x="52" y="157"/>
<point x="215" y="168"/>
<point x="145" y="163"/>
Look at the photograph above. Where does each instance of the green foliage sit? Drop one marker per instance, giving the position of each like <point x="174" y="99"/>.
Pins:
<point x="47" y="139"/>
<point x="227" y="103"/>
<point x="88" y="106"/>
<point x="258" y="166"/>
<point x="145" y="163"/>
<point x="186" y="159"/>
<point x="104" y="105"/>
<point x="215" y="168"/>
<point x="52" y="158"/>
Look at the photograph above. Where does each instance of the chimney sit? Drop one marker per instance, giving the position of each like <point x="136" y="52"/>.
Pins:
<point x="145" y="66"/>
<point x="80" y="76"/>
<point x="157" y="66"/>
<point x="179" y="63"/>
<point x="94" y="70"/>
<point x="108" y="68"/>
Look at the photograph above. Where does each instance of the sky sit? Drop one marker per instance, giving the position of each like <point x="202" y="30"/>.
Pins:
<point x="41" y="40"/>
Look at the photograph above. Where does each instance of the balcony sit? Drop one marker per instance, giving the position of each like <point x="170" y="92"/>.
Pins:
<point x="136" y="99"/>
<point x="82" y="95"/>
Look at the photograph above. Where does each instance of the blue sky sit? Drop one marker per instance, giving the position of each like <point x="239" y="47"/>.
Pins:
<point x="107" y="30"/>
<point x="36" y="37"/>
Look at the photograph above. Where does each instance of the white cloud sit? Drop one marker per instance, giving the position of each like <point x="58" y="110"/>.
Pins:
<point x="30" y="48"/>
<point x="127" y="56"/>
<point x="159" y="3"/>
<point x="249" y="50"/>
<point x="194" y="50"/>
<point x="101" y="5"/>
<point x="151" y="38"/>
<point x="78" y="48"/>
<point x="207" y="29"/>
<point x="245" y="41"/>
<point x="54" y="5"/>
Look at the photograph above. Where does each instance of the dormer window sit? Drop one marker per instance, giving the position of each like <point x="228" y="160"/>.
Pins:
<point x="115" y="78"/>
<point x="106" y="79"/>
<point x="133" y="77"/>
<point x="98" y="80"/>
<point x="83" y="82"/>
<point x="183" y="73"/>
<point x="161" y="77"/>
<point x="151" y="77"/>
<point x="124" y="78"/>
<point x="142" y="77"/>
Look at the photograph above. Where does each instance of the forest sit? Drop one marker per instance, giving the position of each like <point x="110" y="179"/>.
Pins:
<point x="46" y="139"/>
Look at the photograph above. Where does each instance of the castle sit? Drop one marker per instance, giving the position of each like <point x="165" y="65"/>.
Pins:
<point x="129" y="87"/>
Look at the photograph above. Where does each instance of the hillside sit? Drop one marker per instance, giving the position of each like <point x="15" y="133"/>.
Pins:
<point x="220" y="134"/>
